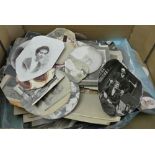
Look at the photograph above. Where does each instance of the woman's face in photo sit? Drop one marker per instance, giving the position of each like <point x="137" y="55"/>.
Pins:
<point x="116" y="85"/>
<point x="41" y="53"/>
<point x="123" y="72"/>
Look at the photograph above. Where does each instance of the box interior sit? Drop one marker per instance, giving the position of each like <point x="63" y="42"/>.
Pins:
<point x="141" y="38"/>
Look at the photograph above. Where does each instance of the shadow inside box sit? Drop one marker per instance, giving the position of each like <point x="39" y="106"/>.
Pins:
<point x="142" y="121"/>
<point x="7" y="118"/>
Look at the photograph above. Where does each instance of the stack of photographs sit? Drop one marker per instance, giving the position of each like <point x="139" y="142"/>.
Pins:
<point x="60" y="86"/>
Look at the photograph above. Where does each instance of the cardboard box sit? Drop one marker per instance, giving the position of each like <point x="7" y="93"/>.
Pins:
<point x="141" y="38"/>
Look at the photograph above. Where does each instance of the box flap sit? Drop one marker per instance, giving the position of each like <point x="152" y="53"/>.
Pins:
<point x="142" y="39"/>
<point x="91" y="31"/>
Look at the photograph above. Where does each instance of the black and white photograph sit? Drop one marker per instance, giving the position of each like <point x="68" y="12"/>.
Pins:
<point x="14" y="91"/>
<point x="38" y="57"/>
<point x="117" y="86"/>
